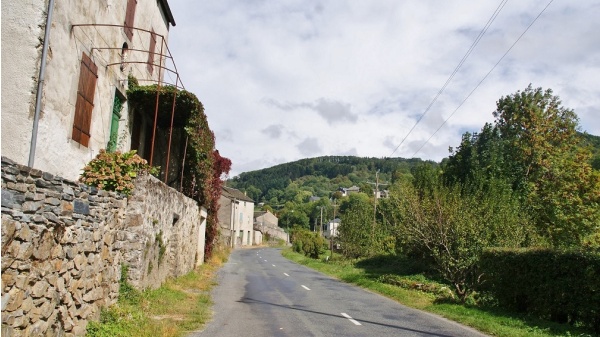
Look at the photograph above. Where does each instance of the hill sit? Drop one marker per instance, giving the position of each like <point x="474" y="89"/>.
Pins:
<point x="320" y="176"/>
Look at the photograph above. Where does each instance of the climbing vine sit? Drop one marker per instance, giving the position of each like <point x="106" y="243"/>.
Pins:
<point x="204" y="166"/>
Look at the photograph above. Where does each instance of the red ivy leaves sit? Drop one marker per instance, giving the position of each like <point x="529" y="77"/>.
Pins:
<point x="220" y="166"/>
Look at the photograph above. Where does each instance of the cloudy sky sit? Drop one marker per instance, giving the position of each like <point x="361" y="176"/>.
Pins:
<point x="292" y="79"/>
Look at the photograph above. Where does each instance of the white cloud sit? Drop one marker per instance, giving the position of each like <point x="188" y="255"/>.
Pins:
<point x="284" y="80"/>
<point x="333" y="112"/>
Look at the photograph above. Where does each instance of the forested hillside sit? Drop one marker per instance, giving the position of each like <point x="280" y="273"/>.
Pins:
<point x="320" y="176"/>
<point x="594" y="143"/>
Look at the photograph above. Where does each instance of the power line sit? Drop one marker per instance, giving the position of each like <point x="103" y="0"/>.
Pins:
<point x="462" y="61"/>
<point x="485" y="77"/>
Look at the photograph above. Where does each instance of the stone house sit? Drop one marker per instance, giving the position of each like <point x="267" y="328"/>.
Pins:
<point x="65" y="75"/>
<point x="266" y="222"/>
<point x="64" y="98"/>
<point x="235" y="216"/>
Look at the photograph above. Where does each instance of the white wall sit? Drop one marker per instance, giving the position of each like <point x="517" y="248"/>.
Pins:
<point x="21" y="21"/>
<point x="56" y="152"/>
<point x="243" y="223"/>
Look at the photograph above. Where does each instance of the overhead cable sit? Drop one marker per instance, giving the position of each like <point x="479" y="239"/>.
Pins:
<point x="462" y="61"/>
<point x="486" y="76"/>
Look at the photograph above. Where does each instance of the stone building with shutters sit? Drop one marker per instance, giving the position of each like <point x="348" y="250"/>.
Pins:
<point x="64" y="86"/>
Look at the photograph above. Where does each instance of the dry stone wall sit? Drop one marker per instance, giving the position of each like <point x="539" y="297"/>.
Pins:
<point x="63" y="245"/>
<point x="166" y="230"/>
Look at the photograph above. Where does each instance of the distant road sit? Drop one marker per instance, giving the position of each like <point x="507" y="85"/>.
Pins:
<point x="260" y="293"/>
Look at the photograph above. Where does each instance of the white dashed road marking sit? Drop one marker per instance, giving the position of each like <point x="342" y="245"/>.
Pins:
<point x="273" y="265"/>
<point x="305" y="287"/>
<point x="350" y="319"/>
<point x="286" y="274"/>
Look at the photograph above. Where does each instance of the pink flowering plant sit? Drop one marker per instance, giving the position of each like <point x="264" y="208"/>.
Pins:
<point x="115" y="171"/>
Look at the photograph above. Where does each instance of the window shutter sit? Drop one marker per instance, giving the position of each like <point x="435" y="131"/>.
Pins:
<point x="129" y="16"/>
<point x="85" y="101"/>
<point x="151" y="52"/>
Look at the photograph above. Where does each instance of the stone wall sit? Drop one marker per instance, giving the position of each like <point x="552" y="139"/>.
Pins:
<point x="276" y="232"/>
<point x="166" y="230"/>
<point x="63" y="245"/>
<point x="60" y="254"/>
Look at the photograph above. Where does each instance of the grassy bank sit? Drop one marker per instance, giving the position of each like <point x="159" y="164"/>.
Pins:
<point x="410" y="285"/>
<point x="178" y="307"/>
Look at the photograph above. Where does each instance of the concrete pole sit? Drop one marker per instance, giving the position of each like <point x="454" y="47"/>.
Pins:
<point x="40" y="86"/>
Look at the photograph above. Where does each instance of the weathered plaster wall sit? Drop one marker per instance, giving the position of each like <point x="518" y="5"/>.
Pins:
<point x="225" y="216"/>
<point x="22" y="28"/>
<point x="22" y="33"/>
<point x="63" y="245"/>
<point x="236" y="217"/>
<point x="245" y="226"/>
<point x="258" y="238"/>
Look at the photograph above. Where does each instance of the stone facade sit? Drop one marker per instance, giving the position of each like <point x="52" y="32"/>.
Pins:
<point x="268" y="223"/>
<point x="63" y="245"/>
<point x="166" y="230"/>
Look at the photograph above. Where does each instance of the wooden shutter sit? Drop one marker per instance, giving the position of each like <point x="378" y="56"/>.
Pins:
<point x="151" y="52"/>
<point x="129" y="16"/>
<point x="85" y="101"/>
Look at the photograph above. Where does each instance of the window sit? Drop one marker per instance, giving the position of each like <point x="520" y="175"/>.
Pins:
<point x="129" y="16"/>
<point x="85" y="101"/>
<point x="151" y="52"/>
<point x="124" y="55"/>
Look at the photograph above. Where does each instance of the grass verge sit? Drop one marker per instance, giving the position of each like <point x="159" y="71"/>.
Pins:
<point x="413" y="289"/>
<point x="178" y="307"/>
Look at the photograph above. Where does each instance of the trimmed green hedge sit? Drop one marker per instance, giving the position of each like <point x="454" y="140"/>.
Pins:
<point x="563" y="286"/>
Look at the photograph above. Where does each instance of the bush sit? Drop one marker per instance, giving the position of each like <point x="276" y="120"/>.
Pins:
<point x="308" y="243"/>
<point x="562" y="286"/>
<point x="115" y="171"/>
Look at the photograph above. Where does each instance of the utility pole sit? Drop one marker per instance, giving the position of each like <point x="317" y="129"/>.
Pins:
<point x="321" y="226"/>
<point x="332" y="230"/>
<point x="375" y="207"/>
<point x="233" y="216"/>
<point x="376" y="196"/>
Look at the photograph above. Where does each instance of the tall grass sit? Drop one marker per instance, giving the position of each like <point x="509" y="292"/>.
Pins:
<point x="178" y="307"/>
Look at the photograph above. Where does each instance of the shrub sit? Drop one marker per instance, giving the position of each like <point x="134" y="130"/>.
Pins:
<point x="558" y="285"/>
<point x="308" y="243"/>
<point x="115" y="171"/>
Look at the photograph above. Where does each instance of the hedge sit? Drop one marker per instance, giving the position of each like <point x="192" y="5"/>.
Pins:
<point x="562" y="286"/>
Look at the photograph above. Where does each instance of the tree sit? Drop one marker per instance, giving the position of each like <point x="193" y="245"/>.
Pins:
<point x="307" y="242"/>
<point x="534" y="146"/>
<point x="544" y="159"/>
<point x="356" y="225"/>
<point x="451" y="228"/>
<point x="253" y="193"/>
<point x="292" y="217"/>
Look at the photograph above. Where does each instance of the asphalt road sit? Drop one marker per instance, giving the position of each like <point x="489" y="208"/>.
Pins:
<point x="260" y="293"/>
